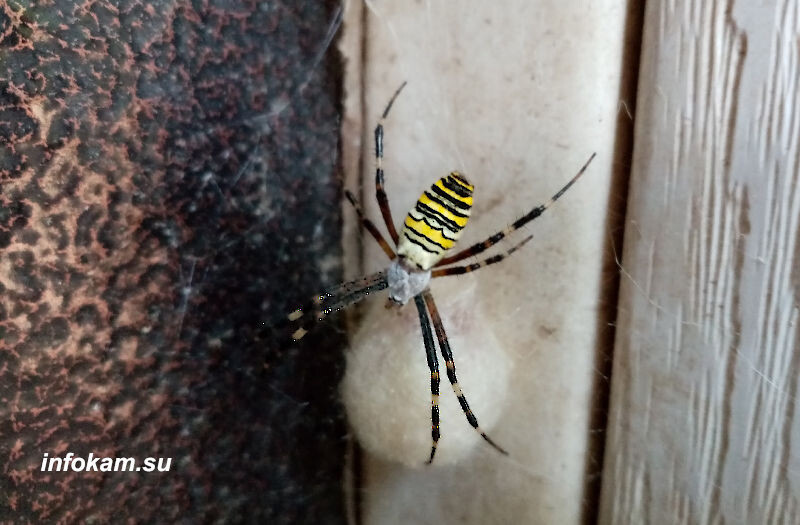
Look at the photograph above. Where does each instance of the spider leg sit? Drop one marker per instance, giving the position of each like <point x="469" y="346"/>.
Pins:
<point x="333" y="300"/>
<point x="519" y="223"/>
<point x="370" y="226"/>
<point x="380" y="193"/>
<point x="433" y="365"/>
<point x="458" y="270"/>
<point x="444" y="346"/>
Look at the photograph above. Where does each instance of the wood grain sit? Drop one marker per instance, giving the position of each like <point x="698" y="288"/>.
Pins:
<point x="704" y="423"/>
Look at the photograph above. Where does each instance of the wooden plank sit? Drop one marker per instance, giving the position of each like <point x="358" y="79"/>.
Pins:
<point x="704" y="424"/>
<point x="517" y="98"/>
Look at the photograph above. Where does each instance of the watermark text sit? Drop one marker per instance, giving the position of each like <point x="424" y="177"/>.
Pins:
<point x="93" y="463"/>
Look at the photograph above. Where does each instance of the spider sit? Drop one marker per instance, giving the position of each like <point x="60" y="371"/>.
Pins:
<point x="429" y="232"/>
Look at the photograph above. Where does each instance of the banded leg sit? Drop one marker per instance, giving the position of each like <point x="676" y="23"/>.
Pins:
<point x="444" y="346"/>
<point x="324" y="304"/>
<point x="433" y="365"/>
<point x="477" y="248"/>
<point x="380" y="193"/>
<point x="458" y="270"/>
<point x="370" y="226"/>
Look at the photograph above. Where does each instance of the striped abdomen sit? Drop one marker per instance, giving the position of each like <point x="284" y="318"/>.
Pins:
<point x="434" y="224"/>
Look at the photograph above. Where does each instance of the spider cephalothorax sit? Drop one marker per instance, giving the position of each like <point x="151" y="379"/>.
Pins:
<point x="429" y="231"/>
<point x="405" y="281"/>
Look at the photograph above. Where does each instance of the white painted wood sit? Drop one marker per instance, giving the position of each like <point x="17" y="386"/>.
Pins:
<point x="517" y="95"/>
<point x="704" y="424"/>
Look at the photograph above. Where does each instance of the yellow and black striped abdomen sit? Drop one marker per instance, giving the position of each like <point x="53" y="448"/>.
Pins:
<point x="434" y="224"/>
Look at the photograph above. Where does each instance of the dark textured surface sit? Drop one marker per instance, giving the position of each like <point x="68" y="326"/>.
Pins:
<point x="167" y="187"/>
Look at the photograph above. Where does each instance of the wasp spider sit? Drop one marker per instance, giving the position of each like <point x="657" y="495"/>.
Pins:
<point x="430" y="230"/>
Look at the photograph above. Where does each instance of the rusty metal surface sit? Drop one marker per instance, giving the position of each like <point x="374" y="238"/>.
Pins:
<point x="167" y="190"/>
